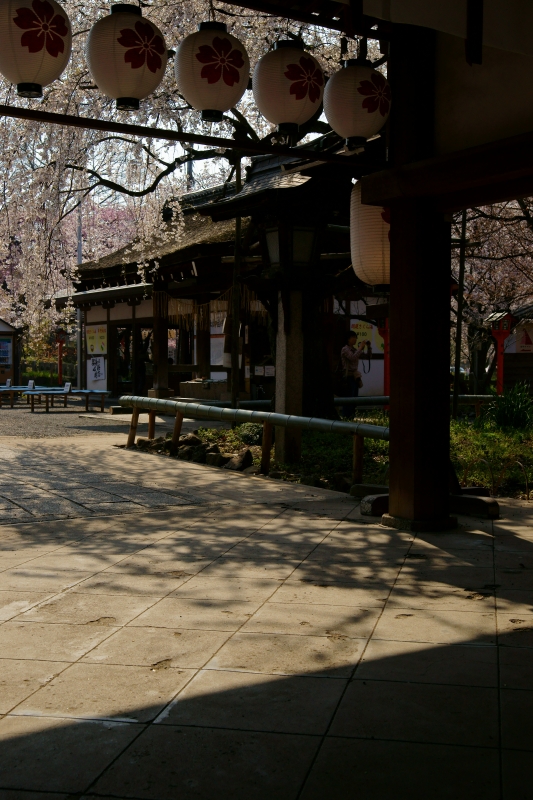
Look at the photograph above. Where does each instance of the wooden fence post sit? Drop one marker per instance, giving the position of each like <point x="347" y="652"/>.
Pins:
<point x="358" y="453"/>
<point x="267" y="447"/>
<point x="133" y="427"/>
<point x="151" y="424"/>
<point x="177" y="431"/>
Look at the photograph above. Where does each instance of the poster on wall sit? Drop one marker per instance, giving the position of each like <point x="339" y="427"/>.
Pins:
<point x="524" y="340"/>
<point x="367" y="332"/>
<point x="101" y="340"/>
<point x="97" y="368"/>
<point x="96" y="339"/>
<point x="91" y="339"/>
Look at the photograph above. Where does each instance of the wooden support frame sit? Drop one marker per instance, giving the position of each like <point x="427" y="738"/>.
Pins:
<point x="151" y="424"/>
<point x="246" y="146"/>
<point x="133" y="427"/>
<point x="266" y="448"/>
<point x="178" y="422"/>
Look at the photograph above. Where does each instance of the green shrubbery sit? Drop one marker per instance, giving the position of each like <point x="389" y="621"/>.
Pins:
<point x="513" y="409"/>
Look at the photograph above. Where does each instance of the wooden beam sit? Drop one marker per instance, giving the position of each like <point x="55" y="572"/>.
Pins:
<point x="478" y="175"/>
<point x="145" y="131"/>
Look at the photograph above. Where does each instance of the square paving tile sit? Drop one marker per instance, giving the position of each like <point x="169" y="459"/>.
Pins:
<point x="90" y="609"/>
<point x="516" y="668"/>
<point x="158" y="646"/>
<point x="516" y="771"/>
<point x="14" y="603"/>
<point x="242" y="700"/>
<point x="333" y="656"/>
<point x="465" y="665"/>
<point x="227" y="566"/>
<point x="364" y="575"/>
<point x="517" y="719"/>
<point x="58" y="755"/>
<point x="216" y="615"/>
<point x="441" y="627"/>
<point x="418" y="712"/>
<point x="113" y="583"/>
<point x="313" y="620"/>
<point x="29" y="579"/>
<point x="515" y="601"/>
<point x="51" y="506"/>
<point x="19" y="679"/>
<point x="92" y="691"/>
<point x="375" y="770"/>
<point x="246" y="764"/>
<point x="143" y="564"/>
<point x="515" y="629"/>
<point x="316" y="592"/>
<point x="50" y="642"/>
<point x="246" y="590"/>
<point x="435" y="595"/>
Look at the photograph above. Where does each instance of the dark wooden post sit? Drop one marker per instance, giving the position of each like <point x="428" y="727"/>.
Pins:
<point x="419" y="306"/>
<point x="266" y="448"/>
<point x="133" y="428"/>
<point x="151" y="424"/>
<point x="203" y="352"/>
<point x="160" y="344"/>
<point x="420" y="359"/>
<point x="178" y="422"/>
<point x="289" y="373"/>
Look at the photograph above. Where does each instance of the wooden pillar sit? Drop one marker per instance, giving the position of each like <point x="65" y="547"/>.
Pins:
<point x="203" y="352"/>
<point x="289" y="373"/>
<point x="419" y="369"/>
<point x="160" y="344"/>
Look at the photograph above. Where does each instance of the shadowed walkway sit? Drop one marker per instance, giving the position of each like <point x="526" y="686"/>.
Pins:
<point x="258" y="639"/>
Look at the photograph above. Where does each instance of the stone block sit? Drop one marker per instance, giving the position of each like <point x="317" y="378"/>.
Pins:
<point x="374" y="505"/>
<point x="240" y="461"/>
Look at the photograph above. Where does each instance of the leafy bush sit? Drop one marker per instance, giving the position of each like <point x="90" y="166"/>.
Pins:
<point x="250" y="433"/>
<point x="513" y="409"/>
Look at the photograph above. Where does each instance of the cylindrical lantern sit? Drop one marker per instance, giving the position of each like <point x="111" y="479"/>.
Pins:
<point x="357" y="101"/>
<point x="35" y="43"/>
<point x="212" y="70"/>
<point x="369" y="240"/>
<point x="127" y="56"/>
<point x="288" y="85"/>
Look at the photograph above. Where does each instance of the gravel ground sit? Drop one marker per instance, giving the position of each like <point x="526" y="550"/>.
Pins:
<point x="75" y="421"/>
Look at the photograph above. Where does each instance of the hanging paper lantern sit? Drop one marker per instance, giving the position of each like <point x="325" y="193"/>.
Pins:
<point x="126" y="55"/>
<point x="357" y="101"/>
<point x="35" y="43"/>
<point x="288" y="85"/>
<point x="212" y="70"/>
<point x="369" y="240"/>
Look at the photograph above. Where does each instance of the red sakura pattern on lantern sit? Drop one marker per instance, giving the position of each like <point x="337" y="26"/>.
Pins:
<point x="378" y="94"/>
<point x="221" y="60"/>
<point x="42" y="27"/>
<point x="144" y="45"/>
<point x="307" y="78"/>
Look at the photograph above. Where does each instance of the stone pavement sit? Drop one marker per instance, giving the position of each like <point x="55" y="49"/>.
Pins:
<point x="171" y="631"/>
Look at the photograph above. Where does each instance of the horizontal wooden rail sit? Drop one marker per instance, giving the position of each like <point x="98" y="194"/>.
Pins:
<point x="269" y="420"/>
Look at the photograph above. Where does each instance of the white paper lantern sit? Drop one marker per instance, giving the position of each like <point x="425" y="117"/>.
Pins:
<point x="212" y="70"/>
<point x="357" y="101"/>
<point x="369" y="240"/>
<point x="35" y="43"/>
<point x="126" y="55"/>
<point x="288" y="85"/>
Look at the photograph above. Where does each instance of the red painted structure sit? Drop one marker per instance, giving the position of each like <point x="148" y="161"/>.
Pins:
<point x="501" y="329"/>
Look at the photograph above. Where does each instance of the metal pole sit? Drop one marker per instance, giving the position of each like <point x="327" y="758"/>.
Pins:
<point x="460" y="303"/>
<point x="79" y="322"/>
<point x="236" y="299"/>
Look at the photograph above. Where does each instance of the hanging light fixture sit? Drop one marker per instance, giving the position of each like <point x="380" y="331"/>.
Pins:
<point x="35" y="43"/>
<point x="357" y="101"/>
<point x="212" y="70"/>
<point x="369" y="240"/>
<point x="288" y="85"/>
<point x="126" y="55"/>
